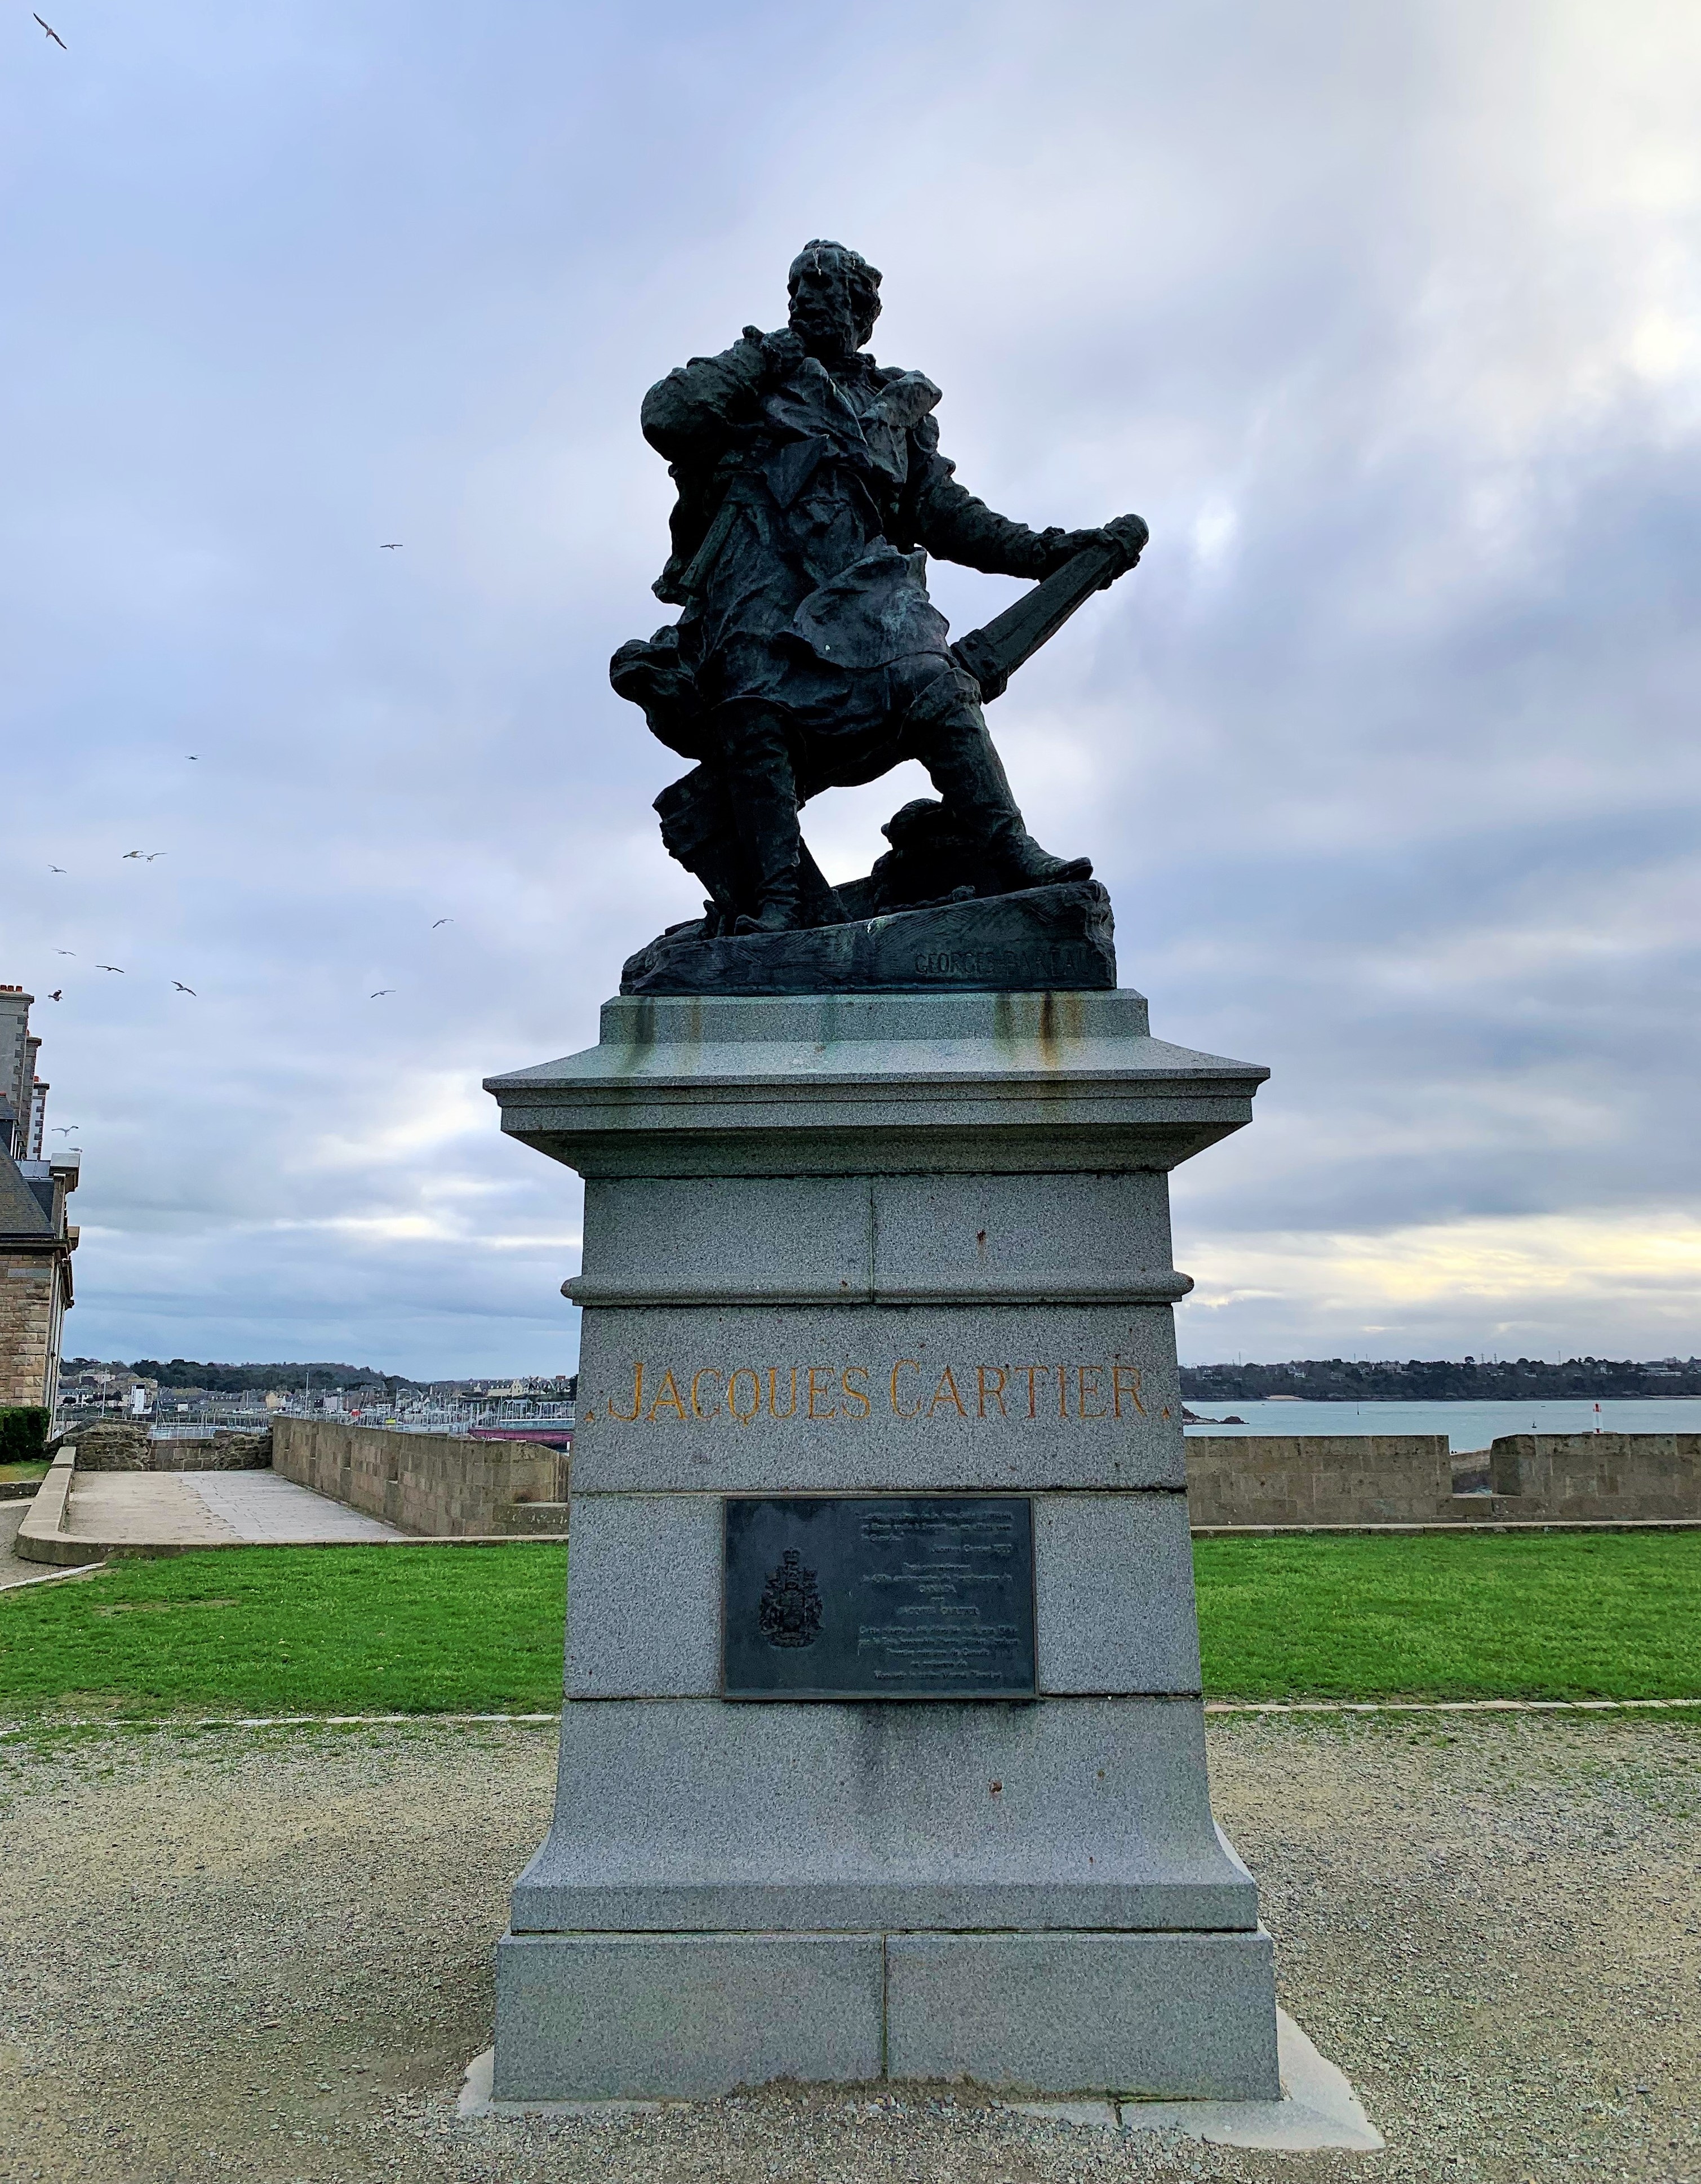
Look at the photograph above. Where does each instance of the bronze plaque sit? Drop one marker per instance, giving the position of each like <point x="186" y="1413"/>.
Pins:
<point x="879" y="1596"/>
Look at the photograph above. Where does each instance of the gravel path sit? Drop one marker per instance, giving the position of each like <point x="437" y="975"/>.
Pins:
<point x="11" y="1516"/>
<point x="14" y="1569"/>
<point x="267" y="1955"/>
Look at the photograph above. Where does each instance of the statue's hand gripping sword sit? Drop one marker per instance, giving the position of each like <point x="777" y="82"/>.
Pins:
<point x="993" y="652"/>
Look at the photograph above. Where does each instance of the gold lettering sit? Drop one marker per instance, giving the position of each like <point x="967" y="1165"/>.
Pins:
<point x="626" y="1416"/>
<point x="856" y="1395"/>
<point x="946" y="1380"/>
<point x="814" y="1391"/>
<point x="915" y="1366"/>
<point x="1132" y="1390"/>
<point x="1082" y="1390"/>
<point x="774" y="1411"/>
<point x="1063" y="1392"/>
<point x="984" y="1392"/>
<point x="705" y="1372"/>
<point x="670" y="1399"/>
<point x="745" y="1373"/>
<point x="1032" y="1371"/>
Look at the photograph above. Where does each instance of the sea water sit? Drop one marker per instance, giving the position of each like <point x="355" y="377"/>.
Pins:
<point x="1467" y="1425"/>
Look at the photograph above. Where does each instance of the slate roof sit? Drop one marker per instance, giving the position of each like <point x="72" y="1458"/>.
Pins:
<point x="22" y="1213"/>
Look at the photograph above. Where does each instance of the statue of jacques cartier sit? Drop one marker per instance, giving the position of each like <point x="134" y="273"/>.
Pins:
<point x="807" y="654"/>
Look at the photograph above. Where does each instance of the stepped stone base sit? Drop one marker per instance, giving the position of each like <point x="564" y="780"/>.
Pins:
<point x="690" y="2016"/>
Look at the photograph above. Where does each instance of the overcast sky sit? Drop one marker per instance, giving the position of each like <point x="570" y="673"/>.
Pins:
<point x="1386" y="319"/>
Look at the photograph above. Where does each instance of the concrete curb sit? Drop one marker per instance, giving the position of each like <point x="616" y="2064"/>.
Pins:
<point x="1455" y="1528"/>
<point x="52" y="1577"/>
<point x="553" y="1718"/>
<point x="1318" y="2108"/>
<point x="1441" y="1706"/>
<point x="67" y="1548"/>
<point x="151" y="1550"/>
<point x="42" y="1536"/>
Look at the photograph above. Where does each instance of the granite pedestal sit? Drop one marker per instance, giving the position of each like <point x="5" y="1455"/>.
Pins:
<point x="873" y="1245"/>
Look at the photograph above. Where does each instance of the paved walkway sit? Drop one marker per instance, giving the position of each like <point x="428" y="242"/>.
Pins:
<point x="259" y="1504"/>
<point x="210" y="1509"/>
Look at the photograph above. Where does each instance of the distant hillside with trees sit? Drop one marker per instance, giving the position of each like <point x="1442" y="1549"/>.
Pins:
<point x="326" y="1377"/>
<point x="1441" y="1380"/>
<point x="244" y="1380"/>
<point x="214" y="1378"/>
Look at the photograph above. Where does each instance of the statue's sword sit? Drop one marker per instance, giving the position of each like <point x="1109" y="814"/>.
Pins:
<point x="994" y="653"/>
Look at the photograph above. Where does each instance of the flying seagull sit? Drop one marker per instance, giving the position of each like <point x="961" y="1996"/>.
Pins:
<point x="118" y="967"/>
<point x="437" y="921"/>
<point x="381" y="993"/>
<point x="58" y="994"/>
<point x="153" y="853"/>
<point x="182" y="989"/>
<point x="64" y="951"/>
<point x="56" y="868"/>
<point x="193" y="757"/>
<point x="53" y="34"/>
<point x="391" y="546"/>
<point x="66" y="1129"/>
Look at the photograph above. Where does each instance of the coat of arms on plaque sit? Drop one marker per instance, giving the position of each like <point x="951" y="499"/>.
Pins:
<point x="790" y="1612"/>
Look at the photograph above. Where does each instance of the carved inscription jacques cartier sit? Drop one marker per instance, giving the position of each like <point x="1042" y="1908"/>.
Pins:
<point x="848" y="1394"/>
<point x="879" y="1596"/>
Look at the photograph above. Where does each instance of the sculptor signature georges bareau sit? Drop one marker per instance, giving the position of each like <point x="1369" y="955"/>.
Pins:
<point x="847" y="1394"/>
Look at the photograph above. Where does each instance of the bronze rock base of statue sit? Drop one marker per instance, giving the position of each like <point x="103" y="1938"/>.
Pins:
<point x="1042" y="940"/>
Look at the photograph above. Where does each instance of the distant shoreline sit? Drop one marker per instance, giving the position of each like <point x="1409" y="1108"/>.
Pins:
<point x="1469" y="1423"/>
<point x="1641" y="1395"/>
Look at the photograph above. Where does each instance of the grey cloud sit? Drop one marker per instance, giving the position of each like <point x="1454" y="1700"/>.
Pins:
<point x="1386" y="752"/>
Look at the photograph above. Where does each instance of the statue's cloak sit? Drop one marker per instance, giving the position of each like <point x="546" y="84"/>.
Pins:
<point x="795" y="594"/>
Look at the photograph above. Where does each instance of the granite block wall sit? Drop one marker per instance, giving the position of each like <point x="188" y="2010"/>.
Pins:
<point x="29" y="1314"/>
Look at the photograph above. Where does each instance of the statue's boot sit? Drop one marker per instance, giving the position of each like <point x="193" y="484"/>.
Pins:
<point x="763" y="792"/>
<point x="964" y="765"/>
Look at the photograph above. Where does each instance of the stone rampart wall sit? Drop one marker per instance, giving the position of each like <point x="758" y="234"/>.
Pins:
<point x="1320" y="1478"/>
<point x="1590" y="1477"/>
<point x="1407" y="1478"/>
<point x="431" y="1483"/>
<point x="122" y="1445"/>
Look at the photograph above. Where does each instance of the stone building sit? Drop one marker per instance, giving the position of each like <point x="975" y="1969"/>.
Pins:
<point x="23" y="1097"/>
<point x="36" y="1239"/>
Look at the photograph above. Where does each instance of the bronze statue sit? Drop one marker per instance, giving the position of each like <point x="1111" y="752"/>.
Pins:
<point x="807" y="654"/>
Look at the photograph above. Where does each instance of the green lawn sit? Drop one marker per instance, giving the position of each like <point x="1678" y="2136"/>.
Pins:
<point x="1553" y="1615"/>
<point x="472" y="1629"/>
<point x="28" y="1470"/>
<point x="309" y="1630"/>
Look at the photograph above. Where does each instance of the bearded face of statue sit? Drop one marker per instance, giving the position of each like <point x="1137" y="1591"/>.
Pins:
<point x="834" y="300"/>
